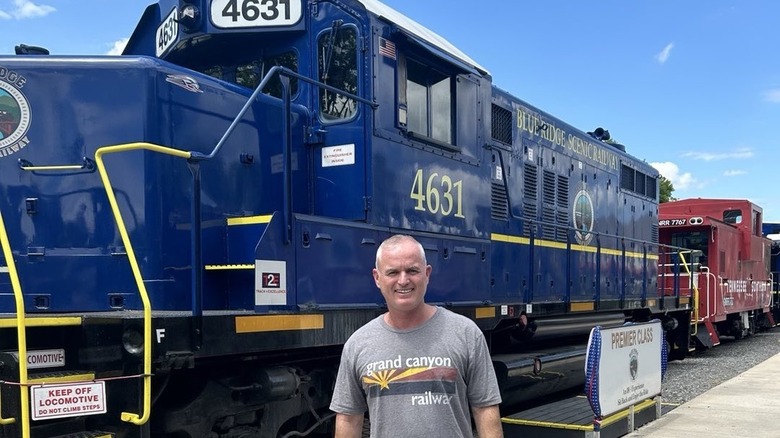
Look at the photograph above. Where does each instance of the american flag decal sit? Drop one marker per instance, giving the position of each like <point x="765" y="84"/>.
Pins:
<point x="386" y="48"/>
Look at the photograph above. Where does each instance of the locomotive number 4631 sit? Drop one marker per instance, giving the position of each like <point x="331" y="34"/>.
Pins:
<point x="255" y="13"/>
<point x="437" y="194"/>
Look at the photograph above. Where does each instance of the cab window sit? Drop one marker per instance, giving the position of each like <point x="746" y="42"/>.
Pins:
<point x="428" y="102"/>
<point x="337" y="63"/>
<point x="249" y="74"/>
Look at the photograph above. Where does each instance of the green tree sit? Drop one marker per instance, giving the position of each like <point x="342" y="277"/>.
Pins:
<point x="665" y="190"/>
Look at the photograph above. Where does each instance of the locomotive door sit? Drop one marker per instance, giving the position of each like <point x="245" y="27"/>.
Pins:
<point x="338" y="161"/>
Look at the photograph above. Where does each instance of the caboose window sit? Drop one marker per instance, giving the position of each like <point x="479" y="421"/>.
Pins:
<point x="732" y="216"/>
<point x="428" y="102"/>
<point x="337" y="63"/>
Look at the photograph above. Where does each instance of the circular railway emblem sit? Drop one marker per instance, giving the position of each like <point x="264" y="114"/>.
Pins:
<point x="583" y="217"/>
<point x="14" y="118"/>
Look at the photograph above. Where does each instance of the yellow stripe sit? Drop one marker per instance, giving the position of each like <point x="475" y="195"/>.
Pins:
<point x="249" y="220"/>
<point x="42" y="322"/>
<point x="228" y="267"/>
<point x="496" y="237"/>
<point x="546" y="424"/>
<point x="68" y="378"/>
<point x="486" y="312"/>
<point x="685" y="300"/>
<point x="614" y="418"/>
<point x="510" y="239"/>
<point x="274" y="323"/>
<point x="581" y="307"/>
<point x="651" y="303"/>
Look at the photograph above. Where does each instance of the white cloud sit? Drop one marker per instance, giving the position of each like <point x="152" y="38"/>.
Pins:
<point x="664" y="54"/>
<point x="734" y="172"/>
<point x="118" y="47"/>
<point x="27" y="9"/>
<point x="671" y="171"/>
<point x="772" y="95"/>
<point x="739" y="153"/>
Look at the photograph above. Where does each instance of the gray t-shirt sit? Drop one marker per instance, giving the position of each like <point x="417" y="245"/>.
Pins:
<point x="418" y="382"/>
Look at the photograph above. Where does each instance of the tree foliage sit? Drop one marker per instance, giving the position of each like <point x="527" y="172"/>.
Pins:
<point x="665" y="190"/>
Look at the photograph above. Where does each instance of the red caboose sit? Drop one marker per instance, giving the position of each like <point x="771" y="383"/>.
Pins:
<point x="728" y="262"/>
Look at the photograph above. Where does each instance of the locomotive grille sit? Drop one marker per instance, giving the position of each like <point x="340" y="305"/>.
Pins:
<point x="530" y="175"/>
<point x="562" y="210"/>
<point x="627" y="178"/>
<point x="650" y="187"/>
<point x="637" y="182"/>
<point x="501" y="124"/>
<point x="499" y="203"/>
<point x="548" y="205"/>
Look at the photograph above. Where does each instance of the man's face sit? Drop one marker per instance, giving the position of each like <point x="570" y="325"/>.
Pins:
<point x="402" y="276"/>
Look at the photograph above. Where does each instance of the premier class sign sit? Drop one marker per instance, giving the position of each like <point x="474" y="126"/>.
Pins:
<point x="624" y="366"/>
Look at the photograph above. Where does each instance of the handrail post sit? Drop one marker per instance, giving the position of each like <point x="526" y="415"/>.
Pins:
<point x="287" y="157"/>
<point x="196" y="243"/>
<point x="21" y="333"/>
<point x="147" y="307"/>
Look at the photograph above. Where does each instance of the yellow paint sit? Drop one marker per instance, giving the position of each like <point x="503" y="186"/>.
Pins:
<point x="496" y="237"/>
<point x="52" y="321"/>
<point x="228" y="267"/>
<point x="581" y="307"/>
<point x="486" y="312"/>
<point x="249" y="220"/>
<point x="275" y="323"/>
<point x="70" y="378"/>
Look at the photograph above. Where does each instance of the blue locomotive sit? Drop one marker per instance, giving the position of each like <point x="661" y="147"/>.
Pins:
<point x="188" y="230"/>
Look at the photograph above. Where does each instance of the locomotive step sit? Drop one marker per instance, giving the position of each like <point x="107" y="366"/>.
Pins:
<point x="87" y="435"/>
<point x="573" y="418"/>
<point x="69" y="376"/>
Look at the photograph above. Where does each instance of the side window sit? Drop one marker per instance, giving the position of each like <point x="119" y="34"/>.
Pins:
<point x="756" y="223"/>
<point x="732" y="216"/>
<point x="337" y="63"/>
<point x="251" y="73"/>
<point x="429" y="102"/>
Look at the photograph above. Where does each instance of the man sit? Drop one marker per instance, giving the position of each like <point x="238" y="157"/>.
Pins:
<point x="417" y="368"/>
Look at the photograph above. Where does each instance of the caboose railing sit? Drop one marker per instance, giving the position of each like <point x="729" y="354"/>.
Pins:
<point x="695" y="287"/>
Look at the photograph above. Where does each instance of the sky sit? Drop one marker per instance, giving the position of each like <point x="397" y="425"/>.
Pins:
<point x="692" y="87"/>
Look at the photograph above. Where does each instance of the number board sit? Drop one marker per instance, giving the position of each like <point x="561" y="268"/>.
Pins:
<point x="255" y="13"/>
<point x="167" y="33"/>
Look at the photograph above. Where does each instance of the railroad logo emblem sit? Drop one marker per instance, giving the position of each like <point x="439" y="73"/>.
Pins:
<point x="186" y="82"/>
<point x="583" y="216"/>
<point x="633" y="364"/>
<point x="15" y="114"/>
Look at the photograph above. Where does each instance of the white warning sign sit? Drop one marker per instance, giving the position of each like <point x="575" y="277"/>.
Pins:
<point x="341" y="155"/>
<point x="68" y="400"/>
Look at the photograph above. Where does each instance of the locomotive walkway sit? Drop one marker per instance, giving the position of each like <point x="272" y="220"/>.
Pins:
<point x="746" y="405"/>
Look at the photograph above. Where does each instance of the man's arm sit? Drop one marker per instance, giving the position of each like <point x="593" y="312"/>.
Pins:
<point x="488" y="421"/>
<point x="349" y="426"/>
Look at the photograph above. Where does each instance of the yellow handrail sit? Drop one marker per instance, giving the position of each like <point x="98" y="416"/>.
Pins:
<point x="695" y="319"/>
<point x="128" y="416"/>
<point x="21" y="332"/>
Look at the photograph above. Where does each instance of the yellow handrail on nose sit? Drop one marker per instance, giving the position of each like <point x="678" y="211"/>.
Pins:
<point x="128" y="416"/>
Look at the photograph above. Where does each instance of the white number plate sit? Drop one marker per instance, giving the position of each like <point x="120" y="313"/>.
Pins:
<point x="255" y="13"/>
<point x="167" y="33"/>
<point x="70" y="400"/>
